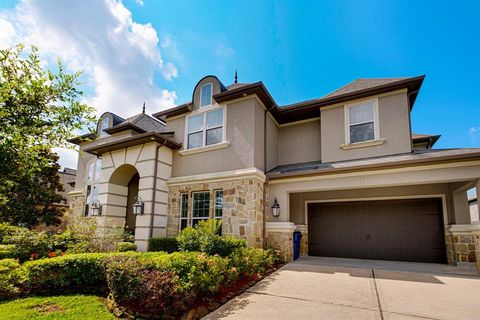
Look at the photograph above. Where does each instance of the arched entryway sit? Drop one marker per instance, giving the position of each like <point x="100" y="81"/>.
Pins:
<point x="131" y="198"/>
<point x="123" y="190"/>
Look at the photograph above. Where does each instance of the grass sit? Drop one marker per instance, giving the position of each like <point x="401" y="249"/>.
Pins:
<point x="83" y="307"/>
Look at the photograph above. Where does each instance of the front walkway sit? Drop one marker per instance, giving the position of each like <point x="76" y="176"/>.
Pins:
<point x="332" y="288"/>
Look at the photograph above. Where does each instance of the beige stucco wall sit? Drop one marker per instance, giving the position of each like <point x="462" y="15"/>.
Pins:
<point x="84" y="158"/>
<point x="240" y="133"/>
<point x="299" y="142"/>
<point x="272" y="143"/>
<point x="393" y="125"/>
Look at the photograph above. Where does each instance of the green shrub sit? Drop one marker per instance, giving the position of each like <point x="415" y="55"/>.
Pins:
<point x="197" y="272"/>
<point x="7" y="230"/>
<point x="252" y="261"/>
<point x="189" y="240"/>
<point x="205" y="237"/>
<point x="7" y="251"/>
<point x="29" y="244"/>
<point x="86" y="236"/>
<point x="163" y="244"/>
<point x="126" y="246"/>
<point x="72" y="273"/>
<point x="146" y="290"/>
<point x="9" y="277"/>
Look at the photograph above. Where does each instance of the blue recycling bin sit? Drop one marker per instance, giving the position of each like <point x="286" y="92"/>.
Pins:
<point x="297" y="236"/>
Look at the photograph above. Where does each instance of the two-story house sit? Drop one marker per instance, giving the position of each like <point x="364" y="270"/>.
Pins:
<point x="345" y="170"/>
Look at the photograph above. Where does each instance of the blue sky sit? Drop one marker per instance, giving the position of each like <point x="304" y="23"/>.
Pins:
<point x="300" y="50"/>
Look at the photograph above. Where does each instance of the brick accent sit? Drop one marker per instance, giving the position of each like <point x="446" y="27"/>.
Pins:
<point x="242" y="208"/>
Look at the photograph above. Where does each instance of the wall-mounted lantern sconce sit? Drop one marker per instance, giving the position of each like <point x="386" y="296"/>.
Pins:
<point x="96" y="208"/>
<point x="275" y="208"/>
<point x="138" y="206"/>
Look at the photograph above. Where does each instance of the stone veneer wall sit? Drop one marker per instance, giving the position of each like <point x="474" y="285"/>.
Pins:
<point x="242" y="207"/>
<point x="461" y="249"/>
<point x="476" y="241"/>
<point x="281" y="241"/>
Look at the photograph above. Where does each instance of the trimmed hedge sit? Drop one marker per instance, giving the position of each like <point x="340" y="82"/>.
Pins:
<point x="163" y="244"/>
<point x="9" y="277"/>
<point x="7" y="251"/>
<point x="126" y="246"/>
<point x="74" y="273"/>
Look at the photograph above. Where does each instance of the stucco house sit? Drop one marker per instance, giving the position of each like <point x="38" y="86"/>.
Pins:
<point x="344" y="169"/>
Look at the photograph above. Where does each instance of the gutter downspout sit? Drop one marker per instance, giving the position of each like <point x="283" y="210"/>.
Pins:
<point x="154" y="192"/>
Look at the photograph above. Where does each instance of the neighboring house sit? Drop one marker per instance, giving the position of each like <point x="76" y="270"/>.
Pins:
<point x="67" y="179"/>
<point x="344" y="169"/>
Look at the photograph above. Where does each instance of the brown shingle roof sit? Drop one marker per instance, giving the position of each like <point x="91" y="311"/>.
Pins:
<point x="362" y="84"/>
<point x="140" y="123"/>
<point x="405" y="159"/>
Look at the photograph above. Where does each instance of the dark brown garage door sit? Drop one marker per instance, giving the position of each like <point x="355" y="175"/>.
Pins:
<point x="402" y="230"/>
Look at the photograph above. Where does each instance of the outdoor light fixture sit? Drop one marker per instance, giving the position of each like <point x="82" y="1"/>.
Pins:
<point x="138" y="206"/>
<point x="96" y="208"/>
<point x="275" y="208"/>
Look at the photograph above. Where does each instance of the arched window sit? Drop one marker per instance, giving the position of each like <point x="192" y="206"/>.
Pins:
<point x="94" y="173"/>
<point x="206" y="95"/>
<point x="102" y="125"/>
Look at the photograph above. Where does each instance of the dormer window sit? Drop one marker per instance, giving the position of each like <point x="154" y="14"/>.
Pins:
<point x="361" y="122"/>
<point x="206" y="95"/>
<point x="102" y="125"/>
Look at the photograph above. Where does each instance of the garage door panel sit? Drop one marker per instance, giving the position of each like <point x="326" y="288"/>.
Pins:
<point x="408" y="230"/>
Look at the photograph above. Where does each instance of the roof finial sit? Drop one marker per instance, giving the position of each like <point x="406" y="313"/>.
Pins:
<point x="143" y="111"/>
<point x="236" y="77"/>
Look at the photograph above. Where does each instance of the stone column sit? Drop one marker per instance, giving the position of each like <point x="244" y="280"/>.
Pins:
<point x="280" y="238"/>
<point x="154" y="192"/>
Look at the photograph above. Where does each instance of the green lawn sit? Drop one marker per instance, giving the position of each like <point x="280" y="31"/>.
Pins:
<point x="60" y="307"/>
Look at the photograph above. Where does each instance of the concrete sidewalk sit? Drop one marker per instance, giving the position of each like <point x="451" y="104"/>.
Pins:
<point x="331" y="288"/>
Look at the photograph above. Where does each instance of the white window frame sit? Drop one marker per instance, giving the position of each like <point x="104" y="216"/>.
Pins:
<point x="200" y="105"/>
<point x="193" y="203"/>
<point x="215" y="204"/>
<point x="101" y="133"/>
<point x="187" y="218"/>
<point x="204" y="130"/>
<point x="93" y="182"/>
<point x="376" y="127"/>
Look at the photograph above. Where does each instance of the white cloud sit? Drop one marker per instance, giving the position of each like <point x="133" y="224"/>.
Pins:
<point x="224" y="51"/>
<point x="474" y="133"/>
<point x="119" y="57"/>
<point x="139" y="2"/>
<point x="68" y="157"/>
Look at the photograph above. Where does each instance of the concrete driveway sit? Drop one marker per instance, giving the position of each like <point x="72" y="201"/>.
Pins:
<point x="331" y="288"/>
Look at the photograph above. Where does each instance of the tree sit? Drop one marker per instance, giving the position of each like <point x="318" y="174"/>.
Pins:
<point x="39" y="110"/>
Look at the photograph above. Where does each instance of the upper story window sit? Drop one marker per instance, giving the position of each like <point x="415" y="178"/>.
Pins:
<point x="205" y="129"/>
<point x="362" y="123"/>
<point x="94" y="173"/>
<point x="103" y="124"/>
<point x="206" y="95"/>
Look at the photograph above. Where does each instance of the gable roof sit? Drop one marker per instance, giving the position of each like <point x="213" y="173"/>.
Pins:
<point x="140" y="123"/>
<point x="360" y="88"/>
<point x="422" y="138"/>
<point x="362" y="84"/>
